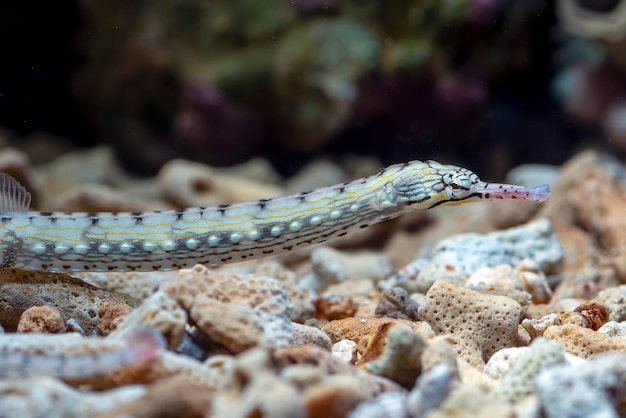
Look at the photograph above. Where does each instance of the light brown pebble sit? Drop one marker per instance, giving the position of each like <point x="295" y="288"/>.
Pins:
<point x="343" y="300"/>
<point x="234" y="310"/>
<point x="480" y="324"/>
<point x="45" y="319"/>
<point x="111" y="314"/>
<point x="583" y="342"/>
<point x="20" y="290"/>
<point x="397" y="303"/>
<point x="356" y="329"/>
<point x="335" y="397"/>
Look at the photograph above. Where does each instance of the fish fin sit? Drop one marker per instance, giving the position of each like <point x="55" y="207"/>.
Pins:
<point x="13" y="196"/>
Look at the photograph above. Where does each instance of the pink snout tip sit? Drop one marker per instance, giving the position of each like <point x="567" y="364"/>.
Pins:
<point x="495" y="191"/>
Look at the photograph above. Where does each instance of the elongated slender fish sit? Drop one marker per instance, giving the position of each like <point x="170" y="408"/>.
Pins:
<point x="164" y="240"/>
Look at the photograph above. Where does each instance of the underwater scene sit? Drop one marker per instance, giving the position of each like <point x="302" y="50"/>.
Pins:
<point x="313" y="208"/>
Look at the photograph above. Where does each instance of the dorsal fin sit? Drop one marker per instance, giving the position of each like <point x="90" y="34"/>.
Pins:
<point x="13" y="196"/>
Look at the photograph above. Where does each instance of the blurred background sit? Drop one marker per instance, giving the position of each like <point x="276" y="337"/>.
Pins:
<point x="488" y="84"/>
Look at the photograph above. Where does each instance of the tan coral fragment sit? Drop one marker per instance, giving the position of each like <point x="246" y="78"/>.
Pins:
<point x="44" y="319"/>
<point x="480" y="324"/>
<point x="583" y="342"/>
<point x="111" y="314"/>
<point x="356" y="329"/>
<point x="234" y="310"/>
<point x="75" y="299"/>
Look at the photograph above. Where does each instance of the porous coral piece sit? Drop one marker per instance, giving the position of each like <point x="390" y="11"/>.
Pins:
<point x="583" y="342"/>
<point x="519" y="379"/>
<point x="590" y="389"/>
<point x="571" y="317"/>
<point x="481" y="324"/>
<point x="526" y="276"/>
<point x="536" y="327"/>
<point x="138" y="284"/>
<point x="356" y="329"/>
<point x="75" y="299"/>
<point x="613" y="329"/>
<point x="343" y="300"/>
<point x="603" y="215"/>
<point x="160" y="311"/>
<point x="236" y="311"/>
<point x="456" y="258"/>
<point x="613" y="300"/>
<point x="501" y="361"/>
<point x="45" y="319"/>
<point x="300" y="292"/>
<point x="396" y="303"/>
<point x="111" y="314"/>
